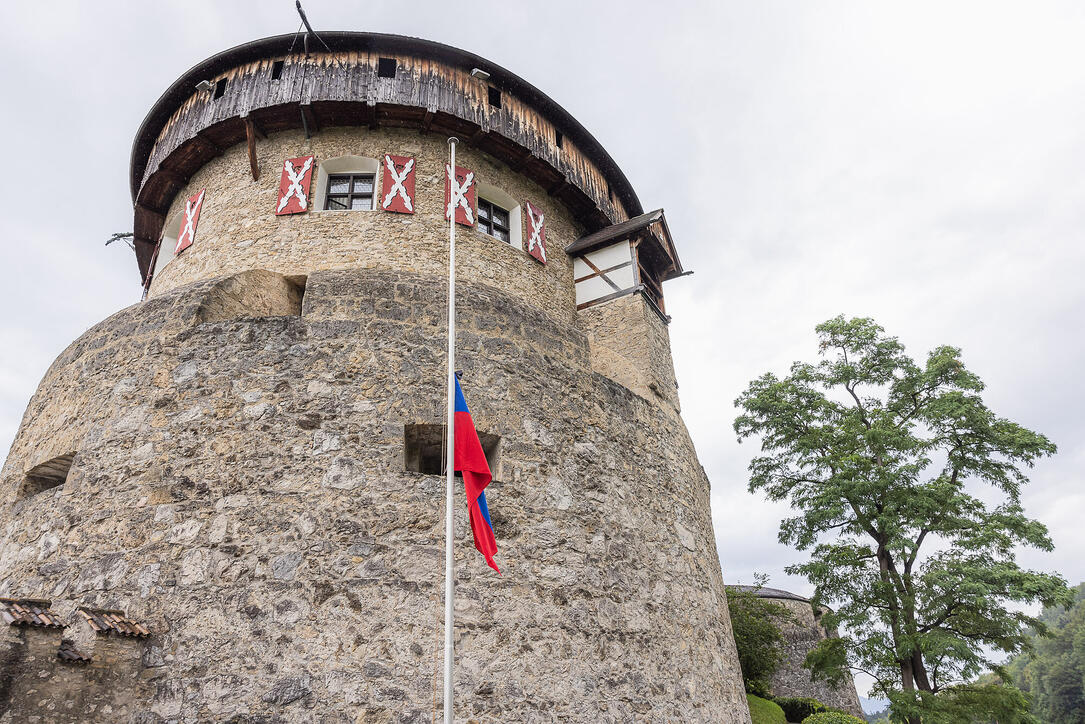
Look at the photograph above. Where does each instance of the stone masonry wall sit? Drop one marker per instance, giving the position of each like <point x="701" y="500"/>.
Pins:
<point x="239" y="487"/>
<point x="791" y="679"/>
<point x="630" y="344"/>
<point x="238" y="228"/>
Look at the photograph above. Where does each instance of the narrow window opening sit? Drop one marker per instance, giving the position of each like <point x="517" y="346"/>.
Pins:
<point x="220" y="88"/>
<point x="50" y="474"/>
<point x="277" y="69"/>
<point x="424" y="450"/>
<point x="494" y="97"/>
<point x="297" y="293"/>
<point x="559" y="139"/>
<point x="610" y="194"/>
<point x="386" y="67"/>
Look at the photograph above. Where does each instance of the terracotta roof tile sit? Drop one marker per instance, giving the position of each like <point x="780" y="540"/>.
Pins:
<point x="106" y="622"/>
<point x="28" y="612"/>
<point x="68" y="652"/>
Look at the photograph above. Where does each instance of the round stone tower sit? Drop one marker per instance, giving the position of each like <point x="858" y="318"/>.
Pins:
<point x="224" y="503"/>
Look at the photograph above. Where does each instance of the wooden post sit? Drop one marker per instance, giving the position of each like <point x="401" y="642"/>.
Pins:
<point x="250" y="135"/>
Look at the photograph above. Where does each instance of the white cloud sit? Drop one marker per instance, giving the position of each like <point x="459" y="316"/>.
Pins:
<point x="919" y="163"/>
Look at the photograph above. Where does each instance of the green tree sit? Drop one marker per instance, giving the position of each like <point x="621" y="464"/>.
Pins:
<point x="1054" y="676"/>
<point x="885" y="462"/>
<point x="756" y="623"/>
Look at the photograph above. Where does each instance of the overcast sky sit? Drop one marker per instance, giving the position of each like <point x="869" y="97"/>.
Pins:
<point x="920" y="163"/>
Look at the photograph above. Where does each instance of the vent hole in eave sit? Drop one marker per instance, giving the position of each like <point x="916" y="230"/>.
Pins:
<point x="277" y="69"/>
<point x="386" y="67"/>
<point x="559" y="139"/>
<point x="220" y="88"/>
<point x="494" y="96"/>
<point x="46" y="476"/>
<point x="424" y="450"/>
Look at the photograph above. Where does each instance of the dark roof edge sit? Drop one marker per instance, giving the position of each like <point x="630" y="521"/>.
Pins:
<point x="765" y="592"/>
<point x="183" y="87"/>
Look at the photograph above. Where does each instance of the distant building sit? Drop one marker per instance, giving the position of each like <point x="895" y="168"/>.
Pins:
<point x="800" y="637"/>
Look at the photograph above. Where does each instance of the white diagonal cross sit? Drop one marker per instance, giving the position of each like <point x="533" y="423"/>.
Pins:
<point x="397" y="183"/>
<point x="457" y="195"/>
<point x="536" y="231"/>
<point x="189" y="229"/>
<point x="295" y="184"/>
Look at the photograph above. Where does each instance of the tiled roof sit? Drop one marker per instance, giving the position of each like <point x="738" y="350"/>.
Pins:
<point x="28" y="612"/>
<point x="68" y="652"/>
<point x="105" y="622"/>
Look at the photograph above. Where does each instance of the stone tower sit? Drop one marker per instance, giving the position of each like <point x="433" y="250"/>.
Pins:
<point x="222" y="502"/>
<point x="801" y="635"/>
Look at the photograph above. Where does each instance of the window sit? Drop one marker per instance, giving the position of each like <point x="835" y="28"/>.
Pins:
<point x="424" y="450"/>
<point x="168" y="245"/>
<point x="559" y="139"/>
<point x="277" y="69"/>
<point x="494" y="97"/>
<point x="345" y="170"/>
<point x="350" y="191"/>
<point x="50" y="474"/>
<point x="493" y="220"/>
<point x="220" y="88"/>
<point x="386" y="67"/>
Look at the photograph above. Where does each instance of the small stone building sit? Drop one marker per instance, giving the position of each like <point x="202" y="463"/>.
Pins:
<point x="225" y="503"/>
<point x="800" y="637"/>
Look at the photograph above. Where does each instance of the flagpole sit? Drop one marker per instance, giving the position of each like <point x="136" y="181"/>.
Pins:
<point x="450" y="454"/>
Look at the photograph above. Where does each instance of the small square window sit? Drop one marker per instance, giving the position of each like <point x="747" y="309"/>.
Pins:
<point x="386" y="67"/>
<point x="424" y="450"/>
<point x="277" y="69"/>
<point x="352" y="191"/>
<point x="493" y="220"/>
<point x="494" y="97"/>
<point x="220" y="88"/>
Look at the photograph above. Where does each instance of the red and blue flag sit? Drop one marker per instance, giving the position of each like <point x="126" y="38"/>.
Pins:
<point x="470" y="459"/>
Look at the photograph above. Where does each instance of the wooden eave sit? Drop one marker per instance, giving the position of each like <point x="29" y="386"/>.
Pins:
<point x="182" y="132"/>
<point x="649" y="231"/>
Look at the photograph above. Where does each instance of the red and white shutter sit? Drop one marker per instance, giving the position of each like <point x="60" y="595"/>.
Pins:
<point x="397" y="184"/>
<point x="189" y="219"/>
<point x="536" y="231"/>
<point x="294" y="186"/>
<point x="466" y="204"/>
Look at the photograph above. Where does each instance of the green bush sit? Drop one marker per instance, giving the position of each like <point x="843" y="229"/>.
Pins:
<point x="763" y="711"/>
<point x="832" y="717"/>
<point x="798" y="708"/>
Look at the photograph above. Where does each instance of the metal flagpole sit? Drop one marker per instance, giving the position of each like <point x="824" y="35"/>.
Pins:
<point x="450" y="453"/>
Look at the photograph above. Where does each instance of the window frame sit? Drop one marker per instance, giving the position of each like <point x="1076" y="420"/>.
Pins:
<point x="490" y="224"/>
<point x="351" y="194"/>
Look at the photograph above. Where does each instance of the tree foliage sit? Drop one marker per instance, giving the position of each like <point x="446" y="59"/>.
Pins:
<point x="1054" y="677"/>
<point x="756" y="623"/>
<point x="892" y="467"/>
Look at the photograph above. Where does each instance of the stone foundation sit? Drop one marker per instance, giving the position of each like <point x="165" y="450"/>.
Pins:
<point x="239" y="488"/>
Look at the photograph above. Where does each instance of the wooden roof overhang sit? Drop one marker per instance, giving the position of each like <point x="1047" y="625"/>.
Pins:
<point x="651" y="236"/>
<point x="433" y="92"/>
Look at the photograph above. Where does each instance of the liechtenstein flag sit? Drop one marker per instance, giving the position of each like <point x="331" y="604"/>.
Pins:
<point x="471" y="461"/>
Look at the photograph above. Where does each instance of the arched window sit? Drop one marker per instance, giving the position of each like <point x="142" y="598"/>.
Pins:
<point x="499" y="215"/>
<point x="346" y="183"/>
